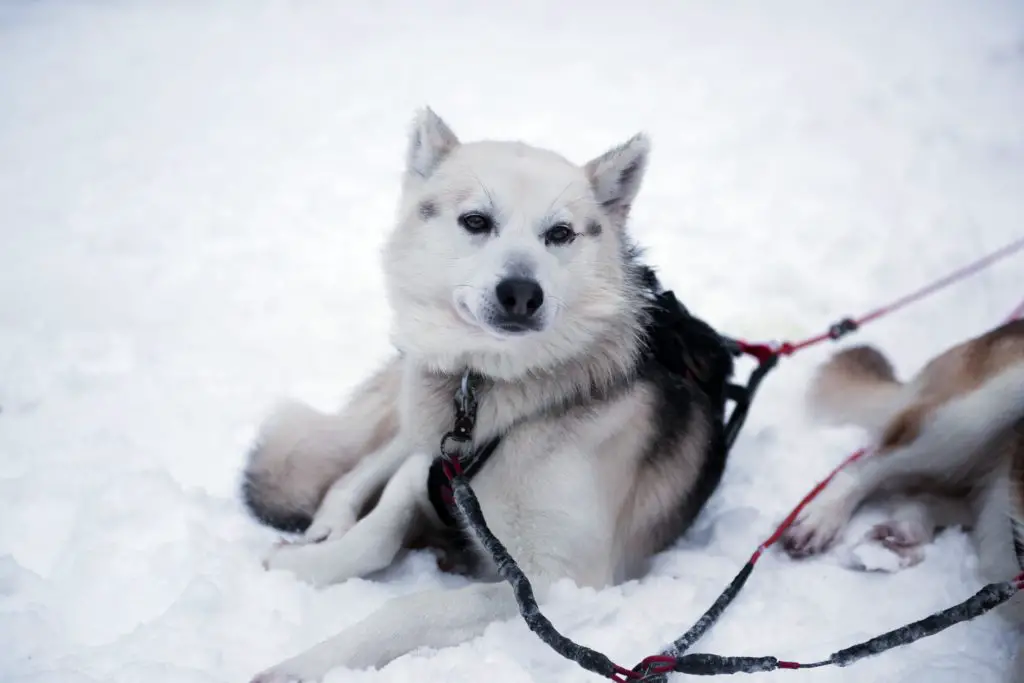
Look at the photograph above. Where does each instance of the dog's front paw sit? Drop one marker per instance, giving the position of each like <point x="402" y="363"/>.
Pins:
<point x="308" y="562"/>
<point x="333" y="520"/>
<point x="319" y="531"/>
<point x="817" y="528"/>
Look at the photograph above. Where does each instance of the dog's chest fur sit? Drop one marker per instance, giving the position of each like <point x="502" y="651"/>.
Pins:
<point x="566" y="474"/>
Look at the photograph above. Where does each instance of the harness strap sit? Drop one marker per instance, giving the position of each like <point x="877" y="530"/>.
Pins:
<point x="743" y="395"/>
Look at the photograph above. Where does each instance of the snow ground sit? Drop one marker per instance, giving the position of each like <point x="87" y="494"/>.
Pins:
<point x="191" y="200"/>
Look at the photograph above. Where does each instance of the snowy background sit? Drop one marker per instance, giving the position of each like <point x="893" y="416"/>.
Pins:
<point x="192" y="198"/>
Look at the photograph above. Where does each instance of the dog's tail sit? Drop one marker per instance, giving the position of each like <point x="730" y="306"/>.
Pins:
<point x="857" y="386"/>
<point x="300" y="451"/>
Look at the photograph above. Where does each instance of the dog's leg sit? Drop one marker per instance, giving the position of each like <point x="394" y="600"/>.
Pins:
<point x="345" y="499"/>
<point x="433" y="619"/>
<point x="371" y="544"/>
<point x="912" y="524"/>
<point x="826" y="516"/>
<point x="822" y="520"/>
<point x="944" y="442"/>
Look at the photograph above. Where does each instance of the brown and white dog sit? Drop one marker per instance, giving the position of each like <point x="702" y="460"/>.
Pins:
<point x="947" y="448"/>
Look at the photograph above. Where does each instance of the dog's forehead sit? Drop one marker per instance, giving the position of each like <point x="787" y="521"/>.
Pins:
<point x="518" y="176"/>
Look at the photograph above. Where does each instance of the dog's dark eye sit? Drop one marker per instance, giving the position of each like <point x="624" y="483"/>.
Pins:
<point x="476" y="223"/>
<point x="559" y="234"/>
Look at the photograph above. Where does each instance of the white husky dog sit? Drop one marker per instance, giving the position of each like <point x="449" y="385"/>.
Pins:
<point x="602" y="446"/>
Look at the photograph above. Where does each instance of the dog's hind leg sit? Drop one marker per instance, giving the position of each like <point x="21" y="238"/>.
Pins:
<point x="372" y="544"/>
<point x="946" y="442"/>
<point x="911" y="525"/>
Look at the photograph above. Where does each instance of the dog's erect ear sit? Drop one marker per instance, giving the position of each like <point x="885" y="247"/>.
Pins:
<point x="616" y="175"/>
<point x="430" y="141"/>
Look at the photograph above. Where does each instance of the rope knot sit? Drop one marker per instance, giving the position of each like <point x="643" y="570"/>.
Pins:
<point x="842" y="328"/>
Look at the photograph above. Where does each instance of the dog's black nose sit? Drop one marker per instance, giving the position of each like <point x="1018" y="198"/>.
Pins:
<point x="519" y="296"/>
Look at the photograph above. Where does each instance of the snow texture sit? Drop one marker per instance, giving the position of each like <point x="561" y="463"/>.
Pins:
<point x="192" y="200"/>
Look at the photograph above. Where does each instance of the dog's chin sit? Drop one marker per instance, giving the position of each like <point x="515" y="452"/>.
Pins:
<point x="507" y="330"/>
<point x="512" y="329"/>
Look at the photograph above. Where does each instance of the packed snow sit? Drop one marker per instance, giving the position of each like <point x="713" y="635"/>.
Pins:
<point x="192" y="199"/>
